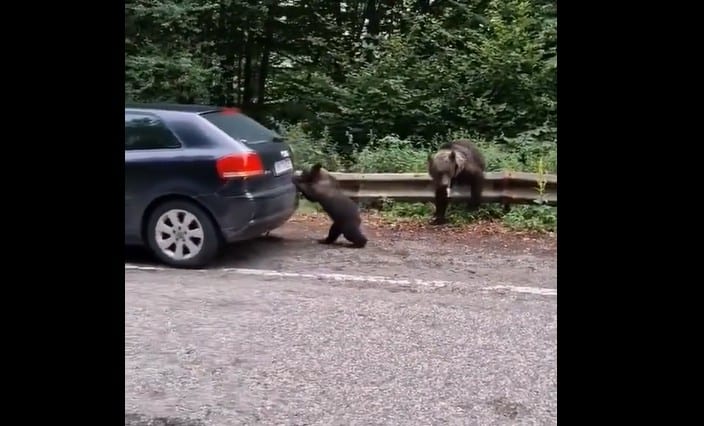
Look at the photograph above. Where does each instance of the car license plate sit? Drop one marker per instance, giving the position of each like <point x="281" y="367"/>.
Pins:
<point x="283" y="166"/>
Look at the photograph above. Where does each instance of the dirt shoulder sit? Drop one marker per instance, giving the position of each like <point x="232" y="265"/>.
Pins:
<point x="484" y="235"/>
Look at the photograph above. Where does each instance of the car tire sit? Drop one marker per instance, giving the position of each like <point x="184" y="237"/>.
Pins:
<point x="182" y="235"/>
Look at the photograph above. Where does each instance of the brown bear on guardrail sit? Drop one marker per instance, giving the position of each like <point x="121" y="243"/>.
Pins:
<point x="319" y="186"/>
<point x="456" y="162"/>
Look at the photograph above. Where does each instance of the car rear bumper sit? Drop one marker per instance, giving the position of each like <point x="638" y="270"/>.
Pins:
<point x="248" y="216"/>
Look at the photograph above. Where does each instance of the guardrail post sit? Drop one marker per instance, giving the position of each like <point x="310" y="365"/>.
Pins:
<point x="504" y="186"/>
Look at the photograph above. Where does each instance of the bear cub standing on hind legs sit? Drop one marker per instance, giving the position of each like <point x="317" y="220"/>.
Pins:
<point x="456" y="162"/>
<point x="319" y="186"/>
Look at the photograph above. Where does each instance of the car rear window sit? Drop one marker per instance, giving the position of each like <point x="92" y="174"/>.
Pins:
<point x="241" y="127"/>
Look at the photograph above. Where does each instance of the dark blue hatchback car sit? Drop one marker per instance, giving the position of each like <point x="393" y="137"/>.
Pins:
<point x="198" y="177"/>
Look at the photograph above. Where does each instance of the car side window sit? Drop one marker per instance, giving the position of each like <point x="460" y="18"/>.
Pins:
<point x="145" y="131"/>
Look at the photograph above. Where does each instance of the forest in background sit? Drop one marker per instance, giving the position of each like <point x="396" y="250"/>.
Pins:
<point x="363" y="85"/>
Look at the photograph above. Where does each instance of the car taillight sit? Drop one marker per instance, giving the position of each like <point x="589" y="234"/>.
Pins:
<point x="241" y="165"/>
<point x="230" y="111"/>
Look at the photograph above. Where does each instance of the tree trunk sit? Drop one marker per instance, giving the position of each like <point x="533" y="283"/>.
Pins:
<point x="239" y="77"/>
<point x="247" y="78"/>
<point x="222" y="50"/>
<point x="266" y="46"/>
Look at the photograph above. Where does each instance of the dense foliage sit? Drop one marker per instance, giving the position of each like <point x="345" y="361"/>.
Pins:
<point x="368" y="85"/>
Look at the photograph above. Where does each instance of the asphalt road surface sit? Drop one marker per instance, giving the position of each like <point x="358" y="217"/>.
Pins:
<point x="288" y="332"/>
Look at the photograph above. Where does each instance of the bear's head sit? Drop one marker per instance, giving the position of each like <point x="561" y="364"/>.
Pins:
<point x="445" y="165"/>
<point x="316" y="182"/>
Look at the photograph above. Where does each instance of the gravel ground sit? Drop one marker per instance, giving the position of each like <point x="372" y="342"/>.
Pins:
<point x="229" y="346"/>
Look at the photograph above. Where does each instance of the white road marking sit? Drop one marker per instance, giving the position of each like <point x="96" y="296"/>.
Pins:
<point x="360" y="278"/>
<point x="531" y="290"/>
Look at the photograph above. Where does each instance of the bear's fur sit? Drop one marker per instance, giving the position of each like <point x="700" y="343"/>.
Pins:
<point x="456" y="163"/>
<point x="319" y="186"/>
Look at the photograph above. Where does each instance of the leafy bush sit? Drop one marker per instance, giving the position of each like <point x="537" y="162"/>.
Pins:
<point x="308" y="150"/>
<point x="390" y="154"/>
<point x="533" y="151"/>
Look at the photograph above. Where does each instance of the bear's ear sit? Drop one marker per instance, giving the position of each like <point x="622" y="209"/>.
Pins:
<point x="315" y="170"/>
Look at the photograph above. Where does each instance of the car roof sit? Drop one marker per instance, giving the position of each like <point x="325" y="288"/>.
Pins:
<point x="187" y="108"/>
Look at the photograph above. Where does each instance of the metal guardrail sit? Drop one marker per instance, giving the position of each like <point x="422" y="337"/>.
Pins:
<point x="499" y="187"/>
